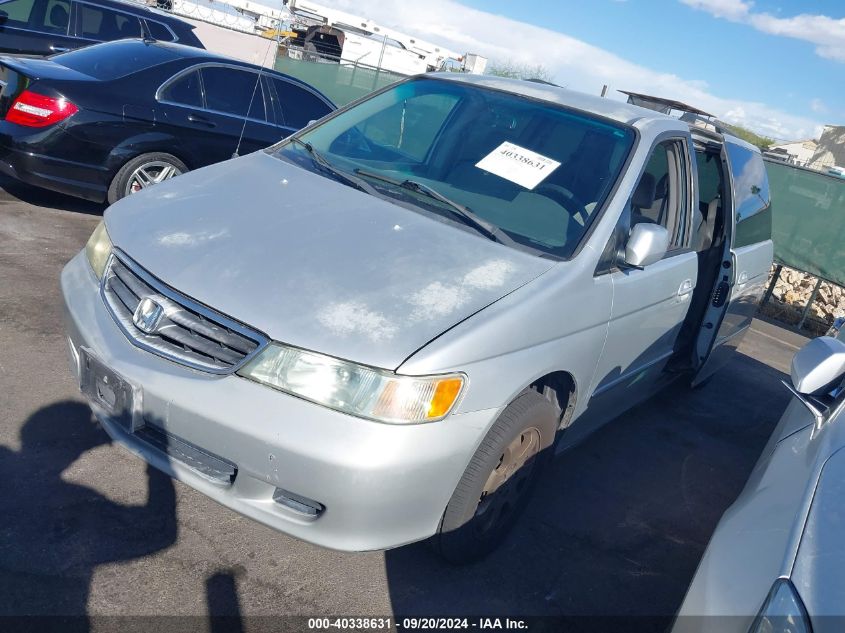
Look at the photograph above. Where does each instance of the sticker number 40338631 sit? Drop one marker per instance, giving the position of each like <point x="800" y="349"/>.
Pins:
<point x="519" y="165"/>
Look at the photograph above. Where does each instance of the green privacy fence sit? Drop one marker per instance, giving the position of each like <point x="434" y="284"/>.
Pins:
<point x="808" y="220"/>
<point x="342" y="81"/>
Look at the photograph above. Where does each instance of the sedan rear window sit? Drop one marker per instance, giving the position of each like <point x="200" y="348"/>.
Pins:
<point x="98" y="23"/>
<point x="159" y="31"/>
<point x="113" y="60"/>
<point x="17" y="12"/>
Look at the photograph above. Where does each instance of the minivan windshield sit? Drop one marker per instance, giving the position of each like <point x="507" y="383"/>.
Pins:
<point x="534" y="170"/>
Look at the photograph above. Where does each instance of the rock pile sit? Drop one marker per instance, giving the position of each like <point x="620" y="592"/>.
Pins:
<point x="794" y="288"/>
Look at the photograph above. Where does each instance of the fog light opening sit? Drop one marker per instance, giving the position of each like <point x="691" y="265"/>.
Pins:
<point x="298" y="503"/>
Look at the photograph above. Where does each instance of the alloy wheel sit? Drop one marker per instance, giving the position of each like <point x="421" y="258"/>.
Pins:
<point x="150" y="174"/>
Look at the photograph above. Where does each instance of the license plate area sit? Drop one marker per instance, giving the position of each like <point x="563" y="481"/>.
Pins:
<point x="109" y="391"/>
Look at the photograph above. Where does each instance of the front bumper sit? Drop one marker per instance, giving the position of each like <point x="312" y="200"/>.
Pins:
<point x="22" y="157"/>
<point x="381" y="485"/>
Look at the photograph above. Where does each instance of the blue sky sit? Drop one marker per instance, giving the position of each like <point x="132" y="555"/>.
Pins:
<point x="777" y="67"/>
<point x="734" y="58"/>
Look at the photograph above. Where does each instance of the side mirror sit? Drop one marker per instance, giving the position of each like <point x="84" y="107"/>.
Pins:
<point x="646" y="244"/>
<point x="819" y="366"/>
<point x="817" y="373"/>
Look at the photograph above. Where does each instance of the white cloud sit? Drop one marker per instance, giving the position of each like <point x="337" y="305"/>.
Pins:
<point x="729" y="9"/>
<point x="817" y="105"/>
<point x="573" y="62"/>
<point x="826" y="33"/>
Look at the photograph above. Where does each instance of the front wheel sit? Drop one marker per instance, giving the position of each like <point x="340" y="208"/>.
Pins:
<point x="498" y="481"/>
<point x="144" y="171"/>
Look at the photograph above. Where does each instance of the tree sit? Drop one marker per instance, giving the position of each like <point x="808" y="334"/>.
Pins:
<point x="763" y="142"/>
<point x="517" y="70"/>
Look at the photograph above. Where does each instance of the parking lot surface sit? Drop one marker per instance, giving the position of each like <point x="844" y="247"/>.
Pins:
<point x="616" y="528"/>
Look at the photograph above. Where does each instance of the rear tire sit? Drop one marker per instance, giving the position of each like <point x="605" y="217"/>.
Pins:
<point x="144" y="171"/>
<point x="498" y="481"/>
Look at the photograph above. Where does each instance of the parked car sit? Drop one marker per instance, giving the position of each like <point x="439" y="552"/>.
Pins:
<point x="108" y="120"/>
<point x="835" y="327"/>
<point x="372" y="332"/>
<point x="778" y="154"/>
<point x="45" y="27"/>
<point x="775" y="562"/>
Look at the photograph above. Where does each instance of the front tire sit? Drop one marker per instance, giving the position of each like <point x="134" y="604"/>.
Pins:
<point x="498" y="481"/>
<point x="144" y="171"/>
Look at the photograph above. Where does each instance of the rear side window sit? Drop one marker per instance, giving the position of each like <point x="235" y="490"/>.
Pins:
<point x="298" y="105"/>
<point x="18" y="12"/>
<point x="159" y="32"/>
<point x="230" y="91"/>
<point x="752" y="201"/>
<point x="52" y="16"/>
<point x="56" y="16"/>
<point x="185" y="90"/>
<point x="124" y="58"/>
<point x="98" y="23"/>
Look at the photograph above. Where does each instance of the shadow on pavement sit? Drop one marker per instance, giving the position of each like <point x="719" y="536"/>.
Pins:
<point x="49" y="199"/>
<point x="619" y="523"/>
<point x="224" y="608"/>
<point x="54" y="533"/>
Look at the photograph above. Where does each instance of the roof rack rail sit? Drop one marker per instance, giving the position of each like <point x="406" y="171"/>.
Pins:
<point x="690" y="114"/>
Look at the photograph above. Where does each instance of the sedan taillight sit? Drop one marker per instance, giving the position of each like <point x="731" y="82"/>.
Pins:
<point x="34" y="110"/>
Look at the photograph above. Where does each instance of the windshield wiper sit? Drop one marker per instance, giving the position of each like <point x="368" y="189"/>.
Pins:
<point x="489" y="230"/>
<point x="339" y="174"/>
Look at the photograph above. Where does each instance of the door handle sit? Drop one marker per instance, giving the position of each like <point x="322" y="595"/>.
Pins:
<point x="686" y="287"/>
<point x="194" y="118"/>
<point x="58" y="49"/>
<point x="742" y="279"/>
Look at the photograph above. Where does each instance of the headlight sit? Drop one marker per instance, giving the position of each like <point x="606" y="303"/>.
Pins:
<point x="98" y="249"/>
<point x="782" y="612"/>
<point x="365" y="392"/>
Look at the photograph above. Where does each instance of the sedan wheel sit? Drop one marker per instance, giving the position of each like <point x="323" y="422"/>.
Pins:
<point x="142" y="172"/>
<point x="150" y="174"/>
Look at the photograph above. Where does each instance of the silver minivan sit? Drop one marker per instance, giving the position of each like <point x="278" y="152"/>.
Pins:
<point x="376" y="331"/>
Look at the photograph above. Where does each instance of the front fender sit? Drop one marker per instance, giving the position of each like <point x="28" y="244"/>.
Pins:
<point x="557" y="322"/>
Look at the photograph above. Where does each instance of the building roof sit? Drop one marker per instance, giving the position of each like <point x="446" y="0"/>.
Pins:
<point x="806" y="140"/>
<point x="831" y="146"/>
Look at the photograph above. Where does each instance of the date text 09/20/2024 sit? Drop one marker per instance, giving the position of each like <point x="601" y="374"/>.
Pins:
<point x="431" y="623"/>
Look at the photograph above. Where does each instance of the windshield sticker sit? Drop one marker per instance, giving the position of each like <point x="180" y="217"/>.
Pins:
<point x="519" y="165"/>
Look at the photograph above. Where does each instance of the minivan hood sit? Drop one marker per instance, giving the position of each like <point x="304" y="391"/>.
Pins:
<point x="314" y="263"/>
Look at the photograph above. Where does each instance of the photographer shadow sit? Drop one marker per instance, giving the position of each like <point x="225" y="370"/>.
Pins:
<point x="55" y="533"/>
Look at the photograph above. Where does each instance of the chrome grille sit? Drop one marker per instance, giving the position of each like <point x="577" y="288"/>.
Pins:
<point x="187" y="332"/>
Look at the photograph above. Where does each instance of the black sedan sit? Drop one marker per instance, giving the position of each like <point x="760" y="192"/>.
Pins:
<point x="105" y="121"/>
<point x="44" y="27"/>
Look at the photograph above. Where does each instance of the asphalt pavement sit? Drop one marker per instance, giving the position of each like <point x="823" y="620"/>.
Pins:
<point x="616" y="528"/>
